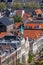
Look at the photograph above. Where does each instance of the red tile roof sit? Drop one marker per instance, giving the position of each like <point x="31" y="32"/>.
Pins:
<point x="38" y="11"/>
<point x="25" y="16"/>
<point x="2" y="34"/>
<point x="34" y="34"/>
<point x="30" y="18"/>
<point x="33" y="25"/>
<point x="17" y="24"/>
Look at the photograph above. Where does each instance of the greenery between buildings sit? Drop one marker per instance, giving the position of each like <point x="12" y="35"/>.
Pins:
<point x="18" y="62"/>
<point x="37" y="63"/>
<point x="2" y="6"/>
<point x="24" y="60"/>
<point x="16" y="5"/>
<point x="32" y="5"/>
<point x="27" y="5"/>
<point x="30" y="57"/>
<point x="17" y="18"/>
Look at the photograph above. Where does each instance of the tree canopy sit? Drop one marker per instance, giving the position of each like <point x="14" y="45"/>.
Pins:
<point x="32" y="5"/>
<point x="30" y="58"/>
<point x="16" y="5"/>
<point x="17" y="18"/>
<point x="2" y="5"/>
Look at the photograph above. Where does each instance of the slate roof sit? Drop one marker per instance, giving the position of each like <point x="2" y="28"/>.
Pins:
<point x="5" y="20"/>
<point x="26" y="21"/>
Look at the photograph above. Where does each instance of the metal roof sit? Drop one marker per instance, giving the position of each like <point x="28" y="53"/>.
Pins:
<point x="5" y="21"/>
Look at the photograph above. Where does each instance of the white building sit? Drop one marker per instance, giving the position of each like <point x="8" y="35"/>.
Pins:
<point x="24" y="49"/>
<point x="37" y="45"/>
<point x="19" y="12"/>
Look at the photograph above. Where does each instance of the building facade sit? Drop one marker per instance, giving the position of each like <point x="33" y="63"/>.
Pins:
<point x="13" y="51"/>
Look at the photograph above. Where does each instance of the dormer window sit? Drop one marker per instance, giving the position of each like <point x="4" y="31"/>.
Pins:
<point x="39" y="15"/>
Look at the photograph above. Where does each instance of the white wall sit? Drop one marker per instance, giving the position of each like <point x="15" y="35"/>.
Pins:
<point x="9" y="28"/>
<point x="35" y="48"/>
<point x="23" y="12"/>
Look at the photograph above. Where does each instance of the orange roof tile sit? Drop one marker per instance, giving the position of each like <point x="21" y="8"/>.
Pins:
<point x="30" y="34"/>
<point x="2" y="34"/>
<point x="38" y="11"/>
<point x="17" y="24"/>
<point x="34" y="34"/>
<point x="25" y="16"/>
<point x="33" y="25"/>
<point x="31" y="19"/>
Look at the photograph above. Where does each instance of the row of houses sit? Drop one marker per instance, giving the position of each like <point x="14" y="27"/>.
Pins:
<point x="16" y="46"/>
<point x="13" y="48"/>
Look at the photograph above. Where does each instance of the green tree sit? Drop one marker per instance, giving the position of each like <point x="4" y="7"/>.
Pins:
<point x="32" y="5"/>
<point x="24" y="60"/>
<point x="41" y="63"/>
<point x="36" y="63"/>
<point x="17" y="18"/>
<point x="18" y="5"/>
<point x="18" y="62"/>
<point x="2" y="5"/>
<point x="30" y="57"/>
<point x="39" y="53"/>
<point x="12" y="5"/>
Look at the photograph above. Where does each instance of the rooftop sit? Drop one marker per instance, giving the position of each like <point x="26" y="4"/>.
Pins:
<point x="2" y="34"/>
<point x="5" y="20"/>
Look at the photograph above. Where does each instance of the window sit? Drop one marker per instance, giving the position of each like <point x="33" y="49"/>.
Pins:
<point x="27" y="28"/>
<point x="39" y="15"/>
<point x="33" y="13"/>
<point x="37" y="27"/>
